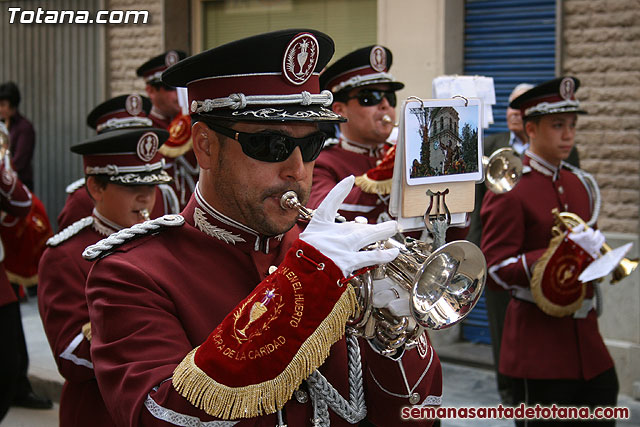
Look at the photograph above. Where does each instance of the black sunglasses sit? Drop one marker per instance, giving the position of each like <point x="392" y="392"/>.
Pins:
<point x="268" y="146"/>
<point x="371" y="97"/>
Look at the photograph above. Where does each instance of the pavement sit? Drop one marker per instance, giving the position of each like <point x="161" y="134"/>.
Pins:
<point x="469" y="380"/>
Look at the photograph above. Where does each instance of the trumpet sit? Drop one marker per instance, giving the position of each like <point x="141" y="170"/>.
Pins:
<point x="444" y="285"/>
<point x="503" y="170"/>
<point x="144" y="213"/>
<point x="568" y="220"/>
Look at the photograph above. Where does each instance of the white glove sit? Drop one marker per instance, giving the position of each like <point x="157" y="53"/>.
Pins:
<point x="341" y="242"/>
<point x="590" y="240"/>
<point x="387" y="294"/>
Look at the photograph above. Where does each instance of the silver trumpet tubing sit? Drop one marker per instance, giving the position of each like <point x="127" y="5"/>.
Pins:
<point x="289" y="200"/>
<point x="503" y="170"/>
<point x="444" y="284"/>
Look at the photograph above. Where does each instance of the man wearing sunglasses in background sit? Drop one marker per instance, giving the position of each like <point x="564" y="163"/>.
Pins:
<point x="365" y="93"/>
<point x="223" y="311"/>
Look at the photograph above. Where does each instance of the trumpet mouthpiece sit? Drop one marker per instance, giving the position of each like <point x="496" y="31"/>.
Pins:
<point x="387" y="119"/>
<point x="289" y="200"/>
<point x="144" y="213"/>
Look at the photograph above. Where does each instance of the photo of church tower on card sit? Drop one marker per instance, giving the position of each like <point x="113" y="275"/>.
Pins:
<point x="449" y="144"/>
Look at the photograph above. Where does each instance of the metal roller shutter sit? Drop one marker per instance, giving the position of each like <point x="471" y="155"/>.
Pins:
<point x="513" y="41"/>
<point x="59" y="69"/>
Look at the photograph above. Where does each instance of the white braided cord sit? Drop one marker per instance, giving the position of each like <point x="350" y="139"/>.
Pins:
<point x="366" y="79"/>
<point x="116" y="170"/>
<point x="553" y="107"/>
<point x="592" y="187"/>
<point x="125" y="122"/>
<point x="239" y="101"/>
<point x="324" y="395"/>
<point x="70" y="231"/>
<point x="116" y="239"/>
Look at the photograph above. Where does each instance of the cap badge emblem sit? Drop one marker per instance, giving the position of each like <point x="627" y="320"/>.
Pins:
<point x="378" y="58"/>
<point x="133" y="104"/>
<point x="300" y="58"/>
<point x="567" y="88"/>
<point x="147" y="146"/>
<point x="171" y="58"/>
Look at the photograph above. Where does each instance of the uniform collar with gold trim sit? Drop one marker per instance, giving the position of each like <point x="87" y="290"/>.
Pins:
<point x="215" y="224"/>
<point x="102" y="225"/>
<point x="541" y="165"/>
<point x="355" y="147"/>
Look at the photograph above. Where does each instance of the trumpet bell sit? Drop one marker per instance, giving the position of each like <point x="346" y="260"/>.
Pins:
<point x="449" y="285"/>
<point x="624" y="269"/>
<point x="503" y="170"/>
<point x="444" y="285"/>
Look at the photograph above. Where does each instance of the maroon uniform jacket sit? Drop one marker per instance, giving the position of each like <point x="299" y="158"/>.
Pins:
<point x="23" y="143"/>
<point x="170" y="290"/>
<point x="79" y="204"/>
<point x="63" y="309"/>
<point x="15" y="200"/>
<point x="516" y="231"/>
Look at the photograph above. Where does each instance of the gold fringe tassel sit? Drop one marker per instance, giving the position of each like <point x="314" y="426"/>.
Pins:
<point x="226" y="402"/>
<point x="174" y="152"/>
<point x="536" y="284"/>
<point x="86" y="331"/>
<point x="21" y="280"/>
<point x="373" y="187"/>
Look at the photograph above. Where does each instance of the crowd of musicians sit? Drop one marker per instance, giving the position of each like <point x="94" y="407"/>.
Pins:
<point x="179" y="291"/>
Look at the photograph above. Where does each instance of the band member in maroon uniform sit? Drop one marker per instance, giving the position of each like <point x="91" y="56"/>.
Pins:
<point x="163" y="97"/>
<point x="226" y="311"/>
<point x="15" y="200"/>
<point x="167" y="113"/>
<point x="122" y="170"/>
<point x="121" y="112"/>
<point x="554" y="355"/>
<point x="365" y="93"/>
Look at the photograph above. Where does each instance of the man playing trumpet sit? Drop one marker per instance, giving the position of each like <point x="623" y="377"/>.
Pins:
<point x="551" y="345"/>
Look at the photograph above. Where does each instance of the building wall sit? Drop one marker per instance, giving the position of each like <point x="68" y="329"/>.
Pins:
<point x="426" y="38"/>
<point x="601" y="46"/>
<point x="129" y="46"/>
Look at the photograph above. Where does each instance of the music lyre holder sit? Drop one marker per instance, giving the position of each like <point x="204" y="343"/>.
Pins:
<point x="438" y="221"/>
